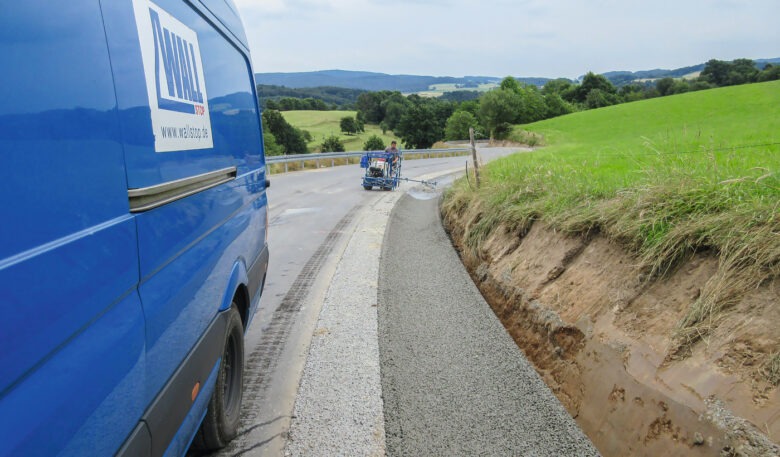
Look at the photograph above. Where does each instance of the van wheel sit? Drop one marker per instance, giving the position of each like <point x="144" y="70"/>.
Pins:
<point x="222" y="418"/>
<point x="368" y="187"/>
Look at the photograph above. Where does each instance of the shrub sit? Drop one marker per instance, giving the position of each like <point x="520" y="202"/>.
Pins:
<point x="332" y="144"/>
<point x="374" y="143"/>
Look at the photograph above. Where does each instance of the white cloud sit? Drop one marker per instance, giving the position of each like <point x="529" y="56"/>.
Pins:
<point x="501" y="37"/>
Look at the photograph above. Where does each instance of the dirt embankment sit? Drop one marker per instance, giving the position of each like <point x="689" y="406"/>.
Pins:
<point x="599" y="333"/>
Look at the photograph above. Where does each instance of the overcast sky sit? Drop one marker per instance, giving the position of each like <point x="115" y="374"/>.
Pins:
<point x="547" y="38"/>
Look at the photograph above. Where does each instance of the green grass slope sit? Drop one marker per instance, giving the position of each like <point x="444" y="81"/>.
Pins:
<point x="665" y="177"/>
<point x="322" y="124"/>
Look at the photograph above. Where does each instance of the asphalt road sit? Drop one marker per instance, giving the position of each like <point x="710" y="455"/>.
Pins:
<point x="323" y="228"/>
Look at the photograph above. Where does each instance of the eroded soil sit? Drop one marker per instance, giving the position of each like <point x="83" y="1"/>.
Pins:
<point x="599" y="332"/>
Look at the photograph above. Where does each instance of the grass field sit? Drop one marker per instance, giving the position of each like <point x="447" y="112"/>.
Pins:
<point x="322" y="124"/>
<point x="665" y="177"/>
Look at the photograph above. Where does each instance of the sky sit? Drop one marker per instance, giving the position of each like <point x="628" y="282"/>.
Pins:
<point x="521" y="38"/>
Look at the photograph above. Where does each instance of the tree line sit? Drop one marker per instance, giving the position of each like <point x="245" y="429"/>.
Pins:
<point x="324" y="98"/>
<point x="420" y="122"/>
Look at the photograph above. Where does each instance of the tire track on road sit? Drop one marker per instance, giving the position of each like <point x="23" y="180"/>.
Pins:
<point x="263" y="360"/>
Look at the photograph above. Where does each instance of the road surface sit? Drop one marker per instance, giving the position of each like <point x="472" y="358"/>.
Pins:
<point x="323" y="224"/>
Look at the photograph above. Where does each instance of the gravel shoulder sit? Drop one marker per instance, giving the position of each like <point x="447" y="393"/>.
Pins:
<point x="453" y="380"/>
<point x="338" y="410"/>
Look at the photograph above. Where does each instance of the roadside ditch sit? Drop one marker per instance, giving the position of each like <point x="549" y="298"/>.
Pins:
<point x="598" y="331"/>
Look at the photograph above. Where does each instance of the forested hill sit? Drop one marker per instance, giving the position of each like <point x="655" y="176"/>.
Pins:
<point x="366" y="80"/>
<point x="330" y="95"/>
<point x="370" y="81"/>
<point x="620" y="78"/>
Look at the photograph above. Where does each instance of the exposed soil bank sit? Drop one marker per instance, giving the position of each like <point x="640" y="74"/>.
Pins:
<point x="599" y="332"/>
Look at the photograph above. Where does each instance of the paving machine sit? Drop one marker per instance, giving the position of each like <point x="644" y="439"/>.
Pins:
<point x="381" y="172"/>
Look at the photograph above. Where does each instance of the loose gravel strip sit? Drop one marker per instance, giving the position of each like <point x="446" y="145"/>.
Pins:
<point x="454" y="382"/>
<point x="338" y="410"/>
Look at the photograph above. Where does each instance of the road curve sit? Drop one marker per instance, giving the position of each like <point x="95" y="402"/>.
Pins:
<point x="408" y="359"/>
<point x="326" y="237"/>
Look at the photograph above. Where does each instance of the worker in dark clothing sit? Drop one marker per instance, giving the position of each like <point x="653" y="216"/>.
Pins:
<point x="393" y="149"/>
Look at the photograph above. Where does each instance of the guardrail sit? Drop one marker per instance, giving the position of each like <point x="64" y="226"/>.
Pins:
<point x="318" y="157"/>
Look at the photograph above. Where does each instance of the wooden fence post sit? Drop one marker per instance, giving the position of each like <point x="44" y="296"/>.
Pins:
<point x="474" y="155"/>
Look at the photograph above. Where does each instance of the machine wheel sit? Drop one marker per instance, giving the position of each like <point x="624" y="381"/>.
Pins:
<point x="222" y="418"/>
<point x="368" y="187"/>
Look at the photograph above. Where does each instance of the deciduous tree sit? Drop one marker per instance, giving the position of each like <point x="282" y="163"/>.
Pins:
<point x="510" y="83"/>
<point x="499" y="107"/>
<point x="557" y="106"/>
<point x="290" y="138"/>
<point x="270" y="146"/>
<point x="592" y="81"/>
<point x="419" y="128"/>
<point x="458" y="125"/>
<point x="348" y="125"/>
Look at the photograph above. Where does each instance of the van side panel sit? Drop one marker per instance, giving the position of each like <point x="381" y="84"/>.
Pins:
<point x="58" y="125"/>
<point x="110" y="312"/>
<point x="192" y="242"/>
<point x="72" y="335"/>
<point x="83" y="400"/>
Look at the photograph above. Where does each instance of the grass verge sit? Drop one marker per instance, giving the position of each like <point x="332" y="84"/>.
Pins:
<point x="666" y="177"/>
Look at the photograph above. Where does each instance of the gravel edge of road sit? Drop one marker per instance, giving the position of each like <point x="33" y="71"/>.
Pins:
<point x="339" y="407"/>
<point x="454" y="382"/>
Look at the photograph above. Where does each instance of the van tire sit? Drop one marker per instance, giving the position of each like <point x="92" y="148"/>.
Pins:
<point x="368" y="187"/>
<point x="224" y="413"/>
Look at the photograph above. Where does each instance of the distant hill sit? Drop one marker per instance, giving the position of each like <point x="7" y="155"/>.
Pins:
<point x="620" y="78"/>
<point x="761" y="63"/>
<point x="364" y="80"/>
<point x="371" y="81"/>
<point x="339" y="96"/>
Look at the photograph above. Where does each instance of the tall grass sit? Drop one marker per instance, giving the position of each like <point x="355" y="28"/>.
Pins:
<point x="666" y="177"/>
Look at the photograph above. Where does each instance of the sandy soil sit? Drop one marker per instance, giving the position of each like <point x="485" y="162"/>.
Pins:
<point x="599" y="332"/>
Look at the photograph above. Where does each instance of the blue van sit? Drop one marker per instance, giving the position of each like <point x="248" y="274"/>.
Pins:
<point x="133" y="227"/>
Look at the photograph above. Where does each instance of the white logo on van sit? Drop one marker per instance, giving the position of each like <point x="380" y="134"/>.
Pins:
<point x="174" y="80"/>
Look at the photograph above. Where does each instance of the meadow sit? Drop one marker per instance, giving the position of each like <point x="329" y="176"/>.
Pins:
<point x="322" y="124"/>
<point x="665" y="177"/>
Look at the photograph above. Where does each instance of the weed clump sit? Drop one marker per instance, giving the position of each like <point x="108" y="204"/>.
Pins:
<point x="771" y="369"/>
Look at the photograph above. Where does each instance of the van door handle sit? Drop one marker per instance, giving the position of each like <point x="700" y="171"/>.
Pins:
<point x="146" y="198"/>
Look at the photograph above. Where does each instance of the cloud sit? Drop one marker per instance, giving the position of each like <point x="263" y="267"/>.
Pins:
<point x="500" y="37"/>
